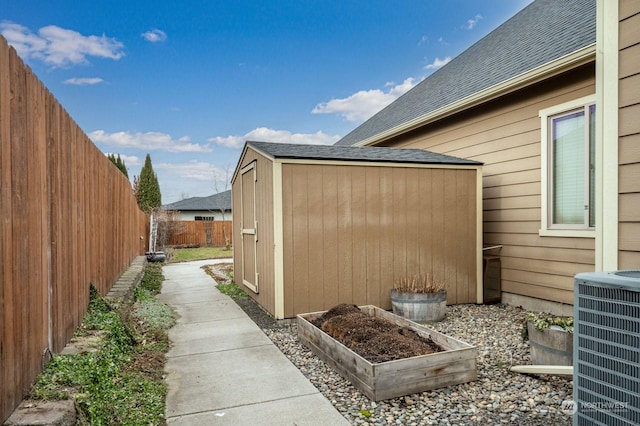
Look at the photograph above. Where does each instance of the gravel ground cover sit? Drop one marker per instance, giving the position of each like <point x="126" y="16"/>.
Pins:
<point x="497" y="397"/>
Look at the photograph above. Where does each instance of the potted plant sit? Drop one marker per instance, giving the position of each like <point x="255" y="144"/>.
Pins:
<point x="550" y="338"/>
<point x="419" y="298"/>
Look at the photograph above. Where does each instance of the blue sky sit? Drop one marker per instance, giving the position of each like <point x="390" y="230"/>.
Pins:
<point x="189" y="81"/>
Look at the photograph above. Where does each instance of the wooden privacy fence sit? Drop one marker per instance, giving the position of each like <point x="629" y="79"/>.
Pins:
<point x="200" y="233"/>
<point x="68" y="218"/>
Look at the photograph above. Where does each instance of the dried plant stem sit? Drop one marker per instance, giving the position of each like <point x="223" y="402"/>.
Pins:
<point x="418" y="283"/>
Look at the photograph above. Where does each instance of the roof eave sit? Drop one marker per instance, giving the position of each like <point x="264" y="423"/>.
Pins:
<point x="565" y="63"/>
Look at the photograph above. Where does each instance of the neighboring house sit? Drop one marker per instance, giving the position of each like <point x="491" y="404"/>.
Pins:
<point x="551" y="107"/>
<point x="203" y="208"/>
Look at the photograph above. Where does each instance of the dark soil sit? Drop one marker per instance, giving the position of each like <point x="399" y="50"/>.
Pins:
<point x="375" y="339"/>
<point x="257" y="314"/>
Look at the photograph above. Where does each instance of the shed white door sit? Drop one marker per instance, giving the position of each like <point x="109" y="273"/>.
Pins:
<point x="249" y="227"/>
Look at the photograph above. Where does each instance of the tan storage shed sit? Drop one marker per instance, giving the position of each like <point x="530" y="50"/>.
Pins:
<point x="315" y="226"/>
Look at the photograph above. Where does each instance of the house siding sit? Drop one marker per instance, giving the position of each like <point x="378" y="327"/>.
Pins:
<point x="629" y="135"/>
<point x="264" y="216"/>
<point x="349" y="231"/>
<point x="505" y="135"/>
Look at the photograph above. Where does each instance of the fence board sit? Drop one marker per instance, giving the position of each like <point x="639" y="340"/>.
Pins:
<point x="19" y="220"/>
<point x="7" y="351"/>
<point x="6" y="398"/>
<point x="201" y="233"/>
<point x="68" y="218"/>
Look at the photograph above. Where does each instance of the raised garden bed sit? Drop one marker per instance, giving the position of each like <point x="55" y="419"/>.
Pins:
<point x="455" y="364"/>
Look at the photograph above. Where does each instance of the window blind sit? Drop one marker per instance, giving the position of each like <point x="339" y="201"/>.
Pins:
<point x="568" y="169"/>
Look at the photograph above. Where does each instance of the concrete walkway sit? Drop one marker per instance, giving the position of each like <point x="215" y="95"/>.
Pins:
<point x="222" y="369"/>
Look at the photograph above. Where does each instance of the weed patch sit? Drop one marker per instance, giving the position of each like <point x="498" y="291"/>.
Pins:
<point x="156" y="314"/>
<point x="122" y="382"/>
<point x="224" y="278"/>
<point x="232" y="290"/>
<point x="152" y="279"/>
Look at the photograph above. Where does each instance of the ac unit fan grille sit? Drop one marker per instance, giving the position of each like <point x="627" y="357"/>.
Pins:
<point x="609" y="335"/>
<point x="607" y="354"/>
<point x="604" y="352"/>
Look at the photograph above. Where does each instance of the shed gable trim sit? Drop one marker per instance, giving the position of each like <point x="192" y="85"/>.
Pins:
<point x="278" y="239"/>
<point x="536" y="75"/>
<point x="252" y="284"/>
<point x="479" y="238"/>
<point x="377" y="164"/>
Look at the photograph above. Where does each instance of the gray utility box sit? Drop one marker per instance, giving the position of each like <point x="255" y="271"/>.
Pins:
<point x="606" y="361"/>
<point x="491" y="279"/>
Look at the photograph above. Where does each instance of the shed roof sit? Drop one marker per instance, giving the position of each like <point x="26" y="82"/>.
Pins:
<point x="222" y="200"/>
<point x="542" y="32"/>
<point x="352" y="153"/>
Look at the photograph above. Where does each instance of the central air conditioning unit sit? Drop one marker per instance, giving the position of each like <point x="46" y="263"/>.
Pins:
<point x="606" y="361"/>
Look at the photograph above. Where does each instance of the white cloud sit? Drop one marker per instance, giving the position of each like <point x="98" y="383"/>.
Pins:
<point x="83" y="81"/>
<point x="22" y="39"/>
<point x="196" y="178"/>
<point x="471" y="23"/>
<point x="229" y="141"/>
<point x="195" y="170"/>
<point x="437" y="63"/>
<point x="398" y="90"/>
<point x="271" y="135"/>
<point x="365" y="103"/>
<point x="155" y="35"/>
<point x="60" y="47"/>
<point x="423" y="40"/>
<point x="149" y="141"/>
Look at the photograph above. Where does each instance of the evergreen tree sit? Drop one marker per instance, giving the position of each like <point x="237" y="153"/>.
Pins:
<point x="148" y="194"/>
<point x="119" y="163"/>
<point x="122" y="166"/>
<point x="136" y="186"/>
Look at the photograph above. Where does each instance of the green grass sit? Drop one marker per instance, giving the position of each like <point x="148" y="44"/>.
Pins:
<point x="229" y="286"/>
<point x="201" y="253"/>
<point x="123" y="382"/>
<point x="231" y="289"/>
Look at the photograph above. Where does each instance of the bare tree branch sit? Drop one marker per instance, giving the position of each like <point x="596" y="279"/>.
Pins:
<point x="225" y="182"/>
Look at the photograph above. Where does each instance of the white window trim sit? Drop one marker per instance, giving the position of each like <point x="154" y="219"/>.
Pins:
<point x="544" y="114"/>
<point x="607" y="239"/>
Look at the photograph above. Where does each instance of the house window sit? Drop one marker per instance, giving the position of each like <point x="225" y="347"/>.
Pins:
<point x="568" y="169"/>
<point x="204" y="218"/>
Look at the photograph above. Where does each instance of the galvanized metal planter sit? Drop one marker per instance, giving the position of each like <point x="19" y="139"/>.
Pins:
<point x="419" y="307"/>
<point x="550" y="346"/>
<point x="457" y="364"/>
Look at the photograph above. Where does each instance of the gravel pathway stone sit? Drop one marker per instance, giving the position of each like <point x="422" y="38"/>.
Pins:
<point x="497" y="397"/>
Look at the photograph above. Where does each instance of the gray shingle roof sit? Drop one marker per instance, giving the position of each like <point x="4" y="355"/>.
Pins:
<point x="540" y="33"/>
<point x="212" y="202"/>
<point x="352" y="153"/>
